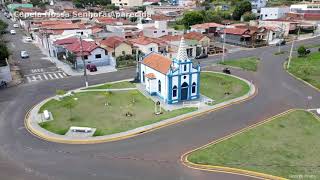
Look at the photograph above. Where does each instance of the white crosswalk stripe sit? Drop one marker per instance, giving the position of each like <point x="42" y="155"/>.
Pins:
<point x="45" y="76"/>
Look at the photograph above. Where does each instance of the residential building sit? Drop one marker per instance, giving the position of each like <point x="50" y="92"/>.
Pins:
<point x="286" y="26"/>
<point x="165" y="9"/>
<point x="273" y="12"/>
<point x="306" y="8"/>
<point x="207" y="28"/>
<point x="173" y="80"/>
<point x="127" y="3"/>
<point x="117" y="46"/>
<point x="148" y="45"/>
<point x="90" y="52"/>
<point x="257" y="5"/>
<point x="242" y="36"/>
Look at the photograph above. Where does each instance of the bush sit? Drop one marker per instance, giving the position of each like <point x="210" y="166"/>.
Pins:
<point x="249" y="16"/>
<point x="319" y="49"/>
<point x="302" y="51"/>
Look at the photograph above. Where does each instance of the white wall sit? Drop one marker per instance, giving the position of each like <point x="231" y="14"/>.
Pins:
<point x="146" y="48"/>
<point x="273" y="13"/>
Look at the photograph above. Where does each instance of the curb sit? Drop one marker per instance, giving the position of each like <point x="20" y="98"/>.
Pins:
<point x="299" y="79"/>
<point x="140" y="130"/>
<point x="184" y="158"/>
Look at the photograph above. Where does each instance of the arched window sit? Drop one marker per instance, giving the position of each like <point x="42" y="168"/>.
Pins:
<point x="194" y="86"/>
<point x="174" y="91"/>
<point x="143" y="77"/>
<point x="159" y="86"/>
<point x="185" y="68"/>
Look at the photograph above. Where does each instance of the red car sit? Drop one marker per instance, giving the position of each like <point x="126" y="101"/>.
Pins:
<point x="92" y="67"/>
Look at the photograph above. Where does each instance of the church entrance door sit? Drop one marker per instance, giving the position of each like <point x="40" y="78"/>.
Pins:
<point x="184" y="91"/>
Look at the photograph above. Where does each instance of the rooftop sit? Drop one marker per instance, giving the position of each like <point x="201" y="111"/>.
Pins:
<point x="157" y="62"/>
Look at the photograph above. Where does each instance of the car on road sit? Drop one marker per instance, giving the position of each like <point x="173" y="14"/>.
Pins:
<point x="201" y="56"/>
<point x="15" y="25"/>
<point x="12" y="32"/>
<point x="226" y="71"/>
<point x="28" y="39"/>
<point x="24" y="54"/>
<point x="92" y="67"/>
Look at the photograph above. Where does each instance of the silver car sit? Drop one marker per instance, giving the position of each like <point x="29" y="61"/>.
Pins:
<point x="24" y="54"/>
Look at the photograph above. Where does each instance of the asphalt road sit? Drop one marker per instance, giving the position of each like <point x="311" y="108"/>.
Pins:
<point x="153" y="155"/>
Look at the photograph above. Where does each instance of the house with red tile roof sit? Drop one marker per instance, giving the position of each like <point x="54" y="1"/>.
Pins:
<point x="172" y="80"/>
<point x="117" y="46"/>
<point x="242" y="36"/>
<point x="84" y="50"/>
<point x="206" y="28"/>
<point x="147" y="45"/>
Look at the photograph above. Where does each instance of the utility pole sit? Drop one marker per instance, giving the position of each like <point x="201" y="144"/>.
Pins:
<point x="292" y="45"/>
<point x="224" y="42"/>
<point x="84" y="62"/>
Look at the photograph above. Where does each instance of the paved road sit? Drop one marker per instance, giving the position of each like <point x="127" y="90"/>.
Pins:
<point x="154" y="155"/>
<point x="37" y="67"/>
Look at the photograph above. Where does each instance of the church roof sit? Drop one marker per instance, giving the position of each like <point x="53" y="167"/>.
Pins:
<point x="182" y="52"/>
<point x="158" y="62"/>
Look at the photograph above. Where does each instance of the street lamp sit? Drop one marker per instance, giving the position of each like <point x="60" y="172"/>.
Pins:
<point x="84" y="62"/>
<point x="292" y="45"/>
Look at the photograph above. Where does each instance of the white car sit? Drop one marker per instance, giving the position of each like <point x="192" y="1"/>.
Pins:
<point x="15" y="25"/>
<point x="24" y="54"/>
<point x="12" y="32"/>
<point x="28" y="39"/>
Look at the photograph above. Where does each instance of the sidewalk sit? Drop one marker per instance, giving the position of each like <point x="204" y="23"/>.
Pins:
<point x="67" y="68"/>
<point x="31" y="122"/>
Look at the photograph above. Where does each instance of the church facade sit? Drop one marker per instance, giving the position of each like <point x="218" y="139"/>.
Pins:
<point x="173" y="80"/>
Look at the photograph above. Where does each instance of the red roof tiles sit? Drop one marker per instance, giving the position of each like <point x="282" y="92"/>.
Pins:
<point x="206" y="25"/>
<point x="236" y="31"/>
<point x="87" y="47"/>
<point x="158" y="62"/>
<point x="150" y="76"/>
<point x="66" y="41"/>
<point x="112" y="42"/>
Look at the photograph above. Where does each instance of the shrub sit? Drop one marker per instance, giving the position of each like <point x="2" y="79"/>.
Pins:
<point x="302" y="51"/>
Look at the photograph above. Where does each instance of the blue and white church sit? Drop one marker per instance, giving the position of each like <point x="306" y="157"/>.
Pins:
<point x="173" y="80"/>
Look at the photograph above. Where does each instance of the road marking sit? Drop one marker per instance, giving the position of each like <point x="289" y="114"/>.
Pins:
<point x="60" y="75"/>
<point x="44" y="75"/>
<point x="55" y="76"/>
<point x="50" y="76"/>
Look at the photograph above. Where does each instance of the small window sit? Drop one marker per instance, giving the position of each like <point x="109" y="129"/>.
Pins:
<point x="85" y="57"/>
<point x="163" y="31"/>
<point x="159" y="86"/>
<point x="151" y="49"/>
<point x="105" y="52"/>
<point x="143" y="77"/>
<point x="185" y="68"/>
<point x="98" y="56"/>
<point x="184" y="77"/>
<point x="194" y="85"/>
<point x="174" y="91"/>
<point x="155" y="31"/>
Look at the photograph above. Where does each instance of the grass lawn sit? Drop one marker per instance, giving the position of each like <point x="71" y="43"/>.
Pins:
<point x="90" y="111"/>
<point x="118" y="85"/>
<point x="214" y="86"/>
<point x="286" y="146"/>
<point x="307" y="68"/>
<point x="249" y="63"/>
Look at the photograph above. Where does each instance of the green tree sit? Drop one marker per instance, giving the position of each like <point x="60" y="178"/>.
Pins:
<point x="241" y="8"/>
<point x="3" y="26"/>
<point x="4" y="54"/>
<point x="249" y="16"/>
<point x="71" y="58"/>
<point x="302" y="51"/>
<point x="191" y="18"/>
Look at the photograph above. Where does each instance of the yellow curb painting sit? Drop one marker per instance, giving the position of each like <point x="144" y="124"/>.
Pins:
<point x="44" y="136"/>
<point x="184" y="158"/>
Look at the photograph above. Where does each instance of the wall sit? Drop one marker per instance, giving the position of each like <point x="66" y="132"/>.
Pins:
<point x="123" y="47"/>
<point x="273" y="13"/>
<point x="5" y="74"/>
<point x="146" y="48"/>
<point x="103" y="61"/>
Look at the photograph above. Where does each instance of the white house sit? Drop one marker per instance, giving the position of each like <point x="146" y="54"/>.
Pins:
<point x="273" y="12"/>
<point x="173" y="80"/>
<point x="127" y="3"/>
<point x="306" y="8"/>
<point x="257" y="5"/>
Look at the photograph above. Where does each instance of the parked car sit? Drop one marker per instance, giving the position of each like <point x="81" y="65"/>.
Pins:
<point x="226" y="71"/>
<point x="28" y="39"/>
<point x="12" y="32"/>
<point x="201" y="56"/>
<point x="15" y="25"/>
<point x="308" y="51"/>
<point x="24" y="54"/>
<point x="92" y="67"/>
<point x="3" y="84"/>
